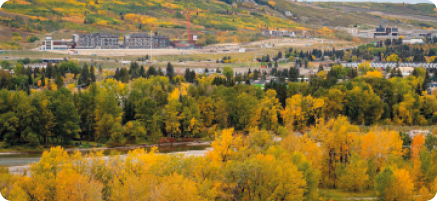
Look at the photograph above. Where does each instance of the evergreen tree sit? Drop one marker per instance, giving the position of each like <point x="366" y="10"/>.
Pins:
<point x="320" y="68"/>
<point x="43" y="81"/>
<point x="59" y="81"/>
<point x="48" y="72"/>
<point x="84" y="75"/>
<point x="399" y="73"/>
<point x="187" y="75"/>
<point x="49" y="85"/>
<point x="192" y="76"/>
<point x="92" y="74"/>
<point x="151" y="72"/>
<point x="160" y="73"/>
<point x="170" y="71"/>
<point x="35" y="73"/>
<point x="279" y="55"/>
<point x="293" y="74"/>
<point x="29" y="80"/>
<point x="142" y="72"/>
<point x="117" y="74"/>
<point x="426" y="81"/>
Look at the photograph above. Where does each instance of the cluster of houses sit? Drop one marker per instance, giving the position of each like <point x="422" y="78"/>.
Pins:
<point x="383" y="64"/>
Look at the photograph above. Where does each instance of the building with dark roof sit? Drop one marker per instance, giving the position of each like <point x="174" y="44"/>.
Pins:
<point x="144" y="41"/>
<point x="50" y="44"/>
<point x="96" y="41"/>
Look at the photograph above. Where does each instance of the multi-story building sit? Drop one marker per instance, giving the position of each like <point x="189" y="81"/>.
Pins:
<point x="50" y="44"/>
<point x="96" y="41"/>
<point x="386" y="32"/>
<point x="145" y="41"/>
<point x="278" y="33"/>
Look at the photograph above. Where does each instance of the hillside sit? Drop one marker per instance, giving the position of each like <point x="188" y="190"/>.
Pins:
<point x="398" y="8"/>
<point x="24" y="21"/>
<point x="228" y="23"/>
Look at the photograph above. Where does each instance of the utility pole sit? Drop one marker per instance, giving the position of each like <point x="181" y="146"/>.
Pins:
<point x="151" y="46"/>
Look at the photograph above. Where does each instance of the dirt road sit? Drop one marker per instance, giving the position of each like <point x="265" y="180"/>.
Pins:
<point x="212" y="49"/>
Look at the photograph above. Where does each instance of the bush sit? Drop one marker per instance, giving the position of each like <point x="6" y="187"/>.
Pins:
<point x="32" y="39"/>
<point x="24" y="61"/>
<point x="166" y="140"/>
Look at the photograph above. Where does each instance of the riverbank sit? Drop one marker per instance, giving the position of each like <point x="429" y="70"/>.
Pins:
<point x="23" y="169"/>
<point x="169" y="144"/>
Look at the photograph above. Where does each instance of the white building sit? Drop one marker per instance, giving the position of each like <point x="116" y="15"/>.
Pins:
<point x="413" y="41"/>
<point x="288" y="13"/>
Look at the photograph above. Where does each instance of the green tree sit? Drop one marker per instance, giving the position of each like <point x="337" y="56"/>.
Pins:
<point x="384" y="182"/>
<point x="108" y="115"/>
<point x="147" y="112"/>
<point x="171" y="118"/>
<point x="84" y="75"/>
<point x="170" y="71"/>
<point x="67" y="119"/>
<point x="92" y="74"/>
<point x="228" y="72"/>
<point x="86" y="106"/>
<point x="59" y="81"/>
<point x="293" y="74"/>
<point x="5" y="65"/>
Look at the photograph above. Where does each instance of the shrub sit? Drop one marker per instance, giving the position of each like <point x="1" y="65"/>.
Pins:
<point x="32" y="39"/>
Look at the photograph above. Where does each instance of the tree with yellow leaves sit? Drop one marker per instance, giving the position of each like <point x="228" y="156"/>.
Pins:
<point x="223" y="146"/>
<point x="373" y="74"/>
<point x="337" y="138"/>
<point x="333" y="103"/>
<point x="299" y="109"/>
<point x="355" y="175"/>
<point x="304" y="145"/>
<point x="364" y="67"/>
<point x="380" y="146"/>
<point x="393" y="58"/>
<point x="171" y="118"/>
<point x="206" y="107"/>
<point x="270" y="107"/>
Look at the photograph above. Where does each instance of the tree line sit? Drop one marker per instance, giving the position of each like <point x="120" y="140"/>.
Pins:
<point x="143" y="105"/>
<point x="333" y="154"/>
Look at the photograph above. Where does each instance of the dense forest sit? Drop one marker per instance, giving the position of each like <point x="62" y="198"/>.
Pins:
<point x="144" y="104"/>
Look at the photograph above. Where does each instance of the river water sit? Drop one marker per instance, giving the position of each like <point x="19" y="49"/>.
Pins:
<point x="21" y="159"/>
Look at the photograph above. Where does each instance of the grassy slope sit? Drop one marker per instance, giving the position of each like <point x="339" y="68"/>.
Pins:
<point x="224" y="23"/>
<point x="399" y="8"/>
<point x="241" y="24"/>
<point x="119" y="17"/>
